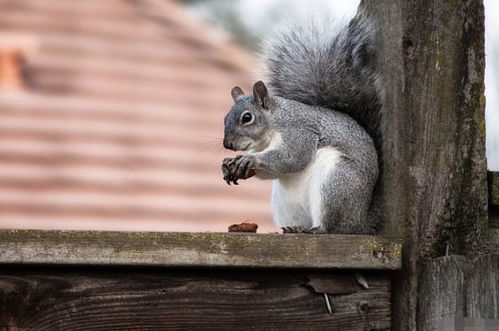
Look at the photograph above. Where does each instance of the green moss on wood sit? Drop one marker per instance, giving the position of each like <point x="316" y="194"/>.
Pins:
<point x="199" y="249"/>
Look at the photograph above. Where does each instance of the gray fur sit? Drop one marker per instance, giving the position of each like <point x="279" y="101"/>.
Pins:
<point x="318" y="84"/>
<point x="318" y="65"/>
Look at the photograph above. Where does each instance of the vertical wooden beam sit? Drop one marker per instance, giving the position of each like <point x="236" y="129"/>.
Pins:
<point x="432" y="60"/>
<point x="482" y="290"/>
<point x="494" y="188"/>
<point x="442" y="291"/>
<point x="452" y="287"/>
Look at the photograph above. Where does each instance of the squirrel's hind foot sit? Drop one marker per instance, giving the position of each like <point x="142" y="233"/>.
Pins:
<point x="303" y="229"/>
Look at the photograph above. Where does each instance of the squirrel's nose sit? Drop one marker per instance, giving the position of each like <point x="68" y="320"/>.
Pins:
<point x="228" y="145"/>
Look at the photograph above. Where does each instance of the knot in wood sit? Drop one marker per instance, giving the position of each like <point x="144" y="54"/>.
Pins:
<point x="364" y="307"/>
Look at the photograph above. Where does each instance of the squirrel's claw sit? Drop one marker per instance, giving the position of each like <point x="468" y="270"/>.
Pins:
<point x="292" y="229"/>
<point x="240" y="167"/>
<point x="302" y="229"/>
<point x="243" y="166"/>
<point x="316" y="230"/>
<point x="227" y="174"/>
<point x="230" y="178"/>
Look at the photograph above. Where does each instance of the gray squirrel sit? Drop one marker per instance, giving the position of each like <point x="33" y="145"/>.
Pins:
<point x="317" y="133"/>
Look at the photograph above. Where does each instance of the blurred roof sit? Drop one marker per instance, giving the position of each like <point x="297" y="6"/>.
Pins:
<point x="119" y="124"/>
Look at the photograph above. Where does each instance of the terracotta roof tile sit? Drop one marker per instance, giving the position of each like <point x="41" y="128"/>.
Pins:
<point x="120" y="126"/>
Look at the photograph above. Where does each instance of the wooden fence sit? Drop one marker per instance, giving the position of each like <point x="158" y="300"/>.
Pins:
<point x="67" y="280"/>
<point x="77" y="280"/>
<point x="437" y="202"/>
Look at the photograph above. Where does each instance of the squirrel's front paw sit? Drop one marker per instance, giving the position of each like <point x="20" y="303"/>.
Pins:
<point x="227" y="171"/>
<point x="240" y="167"/>
<point x="244" y="166"/>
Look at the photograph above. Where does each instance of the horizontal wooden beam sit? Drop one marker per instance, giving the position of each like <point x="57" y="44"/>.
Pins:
<point x="181" y="249"/>
<point x="200" y="299"/>
<point x="494" y="187"/>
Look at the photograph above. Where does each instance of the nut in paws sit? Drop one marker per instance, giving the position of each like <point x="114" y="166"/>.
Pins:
<point x="240" y="167"/>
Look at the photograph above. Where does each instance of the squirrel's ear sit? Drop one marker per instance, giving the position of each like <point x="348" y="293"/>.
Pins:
<point x="261" y="94"/>
<point x="237" y="94"/>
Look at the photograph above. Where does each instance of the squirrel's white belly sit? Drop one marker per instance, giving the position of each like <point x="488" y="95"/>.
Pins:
<point x="297" y="198"/>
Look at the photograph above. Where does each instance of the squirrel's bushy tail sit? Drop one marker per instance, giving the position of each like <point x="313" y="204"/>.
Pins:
<point x="318" y="64"/>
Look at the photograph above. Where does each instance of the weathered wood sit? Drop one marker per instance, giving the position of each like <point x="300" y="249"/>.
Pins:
<point x="494" y="228"/>
<point x="432" y="61"/>
<point x="494" y="210"/>
<point x="442" y="291"/>
<point x="494" y="217"/>
<point x="454" y="287"/>
<point x="482" y="290"/>
<point x="199" y="249"/>
<point x="208" y="300"/>
<point x="494" y="187"/>
<point x="494" y="242"/>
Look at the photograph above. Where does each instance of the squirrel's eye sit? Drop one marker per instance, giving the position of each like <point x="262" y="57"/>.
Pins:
<point x="246" y="118"/>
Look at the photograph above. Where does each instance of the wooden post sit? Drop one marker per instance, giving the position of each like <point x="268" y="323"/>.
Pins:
<point x="432" y="60"/>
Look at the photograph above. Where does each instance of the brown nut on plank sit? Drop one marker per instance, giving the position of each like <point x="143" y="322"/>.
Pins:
<point x="243" y="227"/>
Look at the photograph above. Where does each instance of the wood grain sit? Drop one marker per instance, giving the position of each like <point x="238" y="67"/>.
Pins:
<point x="493" y="179"/>
<point x="183" y="299"/>
<point x="454" y="287"/>
<point x="442" y="291"/>
<point x="494" y="242"/>
<point x="432" y="61"/>
<point x="482" y="292"/>
<point x="494" y="228"/>
<point x="494" y="187"/>
<point x="199" y="249"/>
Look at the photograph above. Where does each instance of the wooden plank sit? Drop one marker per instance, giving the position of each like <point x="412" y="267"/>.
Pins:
<point x="442" y="291"/>
<point x="187" y="299"/>
<point x="454" y="287"/>
<point x="482" y="291"/>
<point x="199" y="249"/>
<point x="494" y="187"/>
